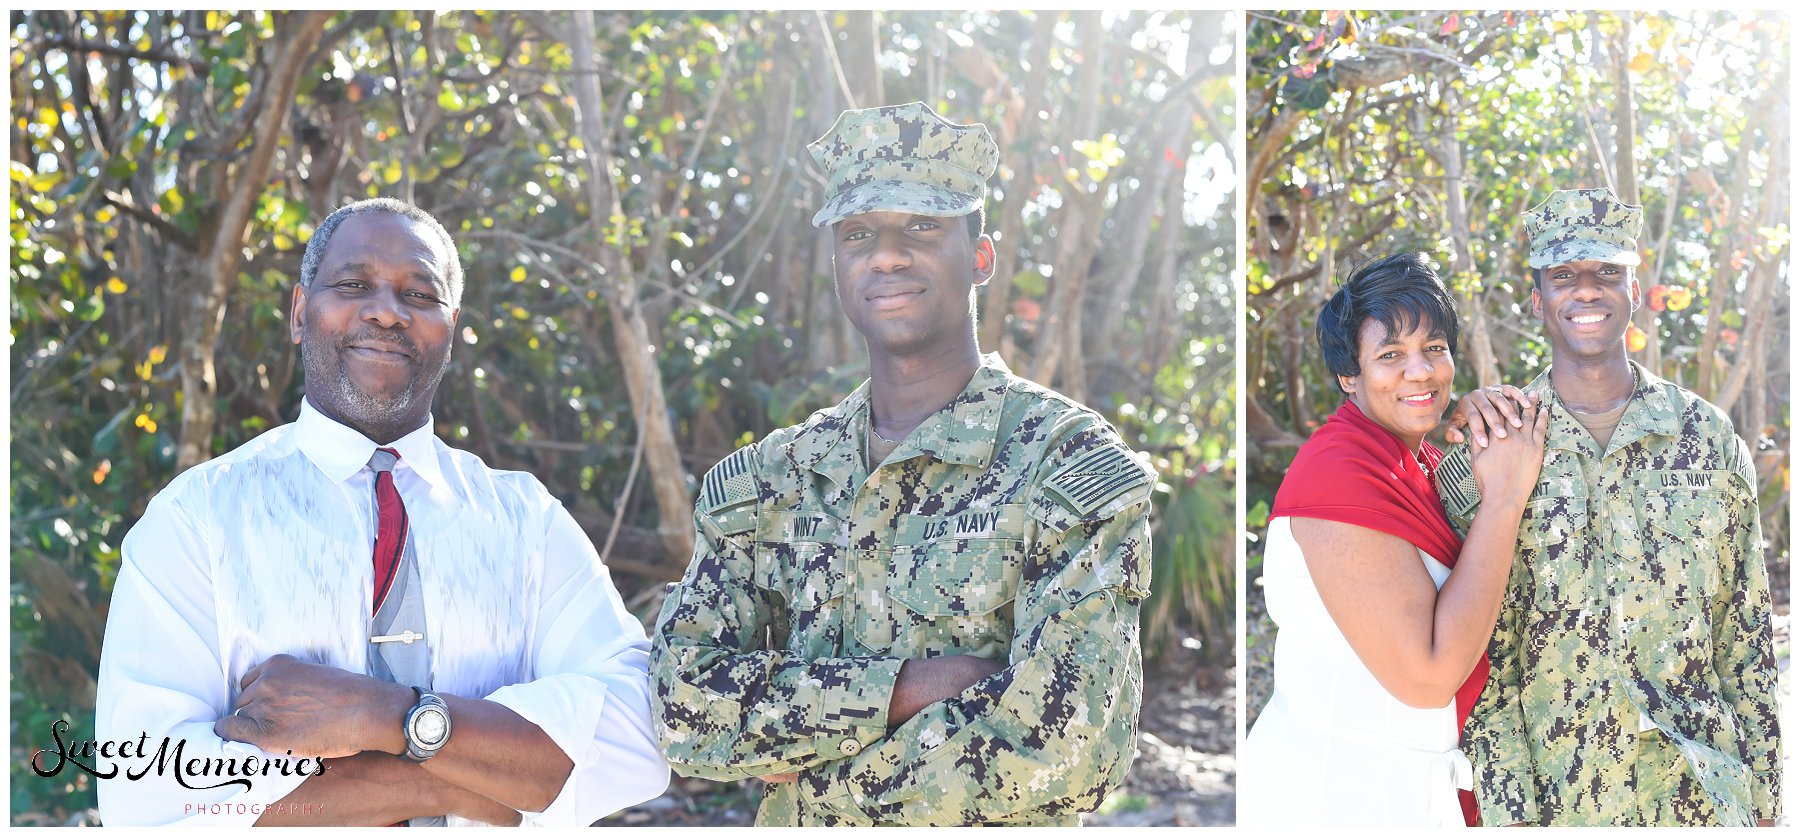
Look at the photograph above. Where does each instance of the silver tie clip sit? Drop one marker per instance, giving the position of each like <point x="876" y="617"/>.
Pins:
<point x="409" y="637"/>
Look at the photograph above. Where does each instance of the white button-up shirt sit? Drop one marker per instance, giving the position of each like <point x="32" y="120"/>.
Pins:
<point x="266" y="550"/>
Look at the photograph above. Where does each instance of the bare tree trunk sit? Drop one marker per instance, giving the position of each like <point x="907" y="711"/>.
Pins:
<point x="1650" y="275"/>
<point x="1293" y="347"/>
<point x="1750" y="423"/>
<point x="222" y="235"/>
<point x="1625" y="172"/>
<point x="1728" y="207"/>
<point x="860" y="52"/>
<point x="1022" y="160"/>
<point x="1462" y="255"/>
<point x="1161" y="333"/>
<point x="792" y="298"/>
<point x="1759" y="291"/>
<point x="637" y="360"/>
<point x="1112" y="292"/>
<point x="1078" y="226"/>
<point x="829" y="337"/>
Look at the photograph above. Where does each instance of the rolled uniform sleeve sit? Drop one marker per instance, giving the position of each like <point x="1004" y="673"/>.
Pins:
<point x="1495" y="738"/>
<point x="728" y="705"/>
<point x="1744" y="657"/>
<point x="591" y="695"/>
<point x="159" y="678"/>
<point x="1054" y="732"/>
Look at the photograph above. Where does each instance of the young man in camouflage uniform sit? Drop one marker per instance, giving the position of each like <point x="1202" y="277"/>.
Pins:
<point x="920" y="606"/>
<point x="1634" y="678"/>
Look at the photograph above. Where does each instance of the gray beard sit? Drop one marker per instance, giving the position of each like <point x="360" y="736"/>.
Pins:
<point x="328" y="380"/>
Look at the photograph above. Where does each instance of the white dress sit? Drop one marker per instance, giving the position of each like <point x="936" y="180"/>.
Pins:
<point x="1332" y="747"/>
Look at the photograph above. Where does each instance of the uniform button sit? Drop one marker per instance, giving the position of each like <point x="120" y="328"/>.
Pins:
<point x="849" y="747"/>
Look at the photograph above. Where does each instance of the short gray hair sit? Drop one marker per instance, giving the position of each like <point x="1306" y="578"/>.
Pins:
<point x="321" y="238"/>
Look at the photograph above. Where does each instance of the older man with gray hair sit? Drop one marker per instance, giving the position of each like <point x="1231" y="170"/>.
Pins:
<point x="349" y="588"/>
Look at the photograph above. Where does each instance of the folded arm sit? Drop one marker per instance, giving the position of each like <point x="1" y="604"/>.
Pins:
<point x="1051" y="733"/>
<point x="571" y="746"/>
<point x="732" y="708"/>
<point x="160" y="679"/>
<point x="316" y="710"/>
<point x="375" y="788"/>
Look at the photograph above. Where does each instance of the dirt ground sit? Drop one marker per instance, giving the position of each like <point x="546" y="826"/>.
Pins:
<point x="1185" y="773"/>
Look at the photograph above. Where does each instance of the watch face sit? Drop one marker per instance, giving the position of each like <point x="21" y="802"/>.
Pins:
<point x="430" y="726"/>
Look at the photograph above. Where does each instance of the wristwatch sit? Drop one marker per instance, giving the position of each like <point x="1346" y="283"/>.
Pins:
<point x="427" y="727"/>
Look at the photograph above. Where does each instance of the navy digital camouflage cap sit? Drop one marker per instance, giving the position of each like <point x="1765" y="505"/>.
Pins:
<point x="903" y="158"/>
<point x="1583" y="224"/>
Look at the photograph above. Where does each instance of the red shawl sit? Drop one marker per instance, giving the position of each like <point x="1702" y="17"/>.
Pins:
<point x="1354" y="471"/>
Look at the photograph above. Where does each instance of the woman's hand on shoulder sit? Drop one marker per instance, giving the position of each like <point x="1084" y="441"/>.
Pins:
<point x="1496" y="410"/>
<point x="1507" y="468"/>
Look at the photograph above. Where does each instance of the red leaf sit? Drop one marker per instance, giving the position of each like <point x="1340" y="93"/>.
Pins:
<point x="1451" y="24"/>
<point x="1306" y="70"/>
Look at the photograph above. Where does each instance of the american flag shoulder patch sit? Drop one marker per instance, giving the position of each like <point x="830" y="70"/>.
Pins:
<point x="1456" y="485"/>
<point x="730" y="482"/>
<point x="1096" y="477"/>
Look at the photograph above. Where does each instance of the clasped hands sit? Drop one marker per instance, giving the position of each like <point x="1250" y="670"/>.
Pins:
<point x="1489" y="410"/>
<point x="1506" y="466"/>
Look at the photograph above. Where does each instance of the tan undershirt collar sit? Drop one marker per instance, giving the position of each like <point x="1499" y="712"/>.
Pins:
<point x="1601" y="425"/>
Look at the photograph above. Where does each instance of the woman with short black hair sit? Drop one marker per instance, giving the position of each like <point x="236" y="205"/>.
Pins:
<point x="1381" y="646"/>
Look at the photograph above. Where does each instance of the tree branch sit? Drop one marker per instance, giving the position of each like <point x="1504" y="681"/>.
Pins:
<point x="81" y="45"/>
<point x="169" y="232"/>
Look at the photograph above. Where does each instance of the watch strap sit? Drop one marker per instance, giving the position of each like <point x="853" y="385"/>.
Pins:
<point x="414" y="752"/>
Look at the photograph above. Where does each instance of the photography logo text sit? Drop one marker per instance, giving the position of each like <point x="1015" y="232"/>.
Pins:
<point x="169" y="757"/>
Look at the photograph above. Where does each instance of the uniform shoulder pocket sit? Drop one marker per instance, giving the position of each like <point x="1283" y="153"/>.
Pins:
<point x="1456" y="486"/>
<point x="1096" y="484"/>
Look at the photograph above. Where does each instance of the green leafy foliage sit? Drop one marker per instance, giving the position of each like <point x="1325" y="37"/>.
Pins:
<point x="121" y="120"/>
<point x="1504" y="107"/>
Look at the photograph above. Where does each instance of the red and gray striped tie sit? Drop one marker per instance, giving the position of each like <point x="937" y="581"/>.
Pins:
<point x="390" y="531"/>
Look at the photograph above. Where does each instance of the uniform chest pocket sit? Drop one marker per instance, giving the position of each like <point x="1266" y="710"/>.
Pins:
<point x="798" y="558"/>
<point x="804" y="582"/>
<point x="1551" y="520"/>
<point x="1551" y="544"/>
<point x="955" y="596"/>
<point x="1681" y="555"/>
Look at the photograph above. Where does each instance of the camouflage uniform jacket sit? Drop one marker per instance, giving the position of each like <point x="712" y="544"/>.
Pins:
<point x="1012" y="524"/>
<point x="1634" y="676"/>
